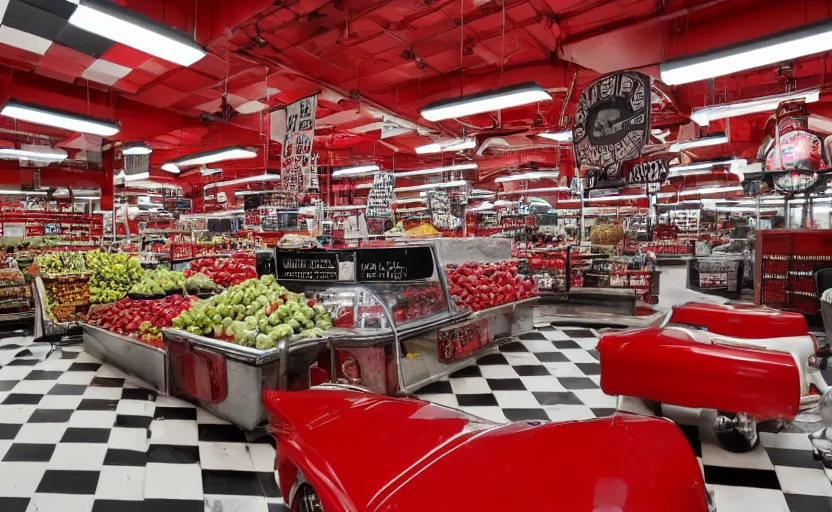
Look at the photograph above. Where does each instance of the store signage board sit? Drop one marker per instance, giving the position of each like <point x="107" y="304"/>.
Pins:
<point x="647" y="171"/>
<point x="391" y="264"/>
<point x="298" y="171"/>
<point x="308" y="266"/>
<point x="611" y="125"/>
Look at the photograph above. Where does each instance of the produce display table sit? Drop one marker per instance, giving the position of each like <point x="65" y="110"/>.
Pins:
<point x="142" y="360"/>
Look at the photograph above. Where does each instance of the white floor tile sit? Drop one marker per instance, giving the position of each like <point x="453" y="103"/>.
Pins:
<point x="714" y="455"/>
<point x="76" y="378"/>
<point x="521" y="358"/>
<point x="40" y="433"/>
<point x="595" y="398"/>
<point x="178" y="432"/>
<point x="4" y="447"/>
<point x="539" y="345"/>
<point x="812" y="482"/>
<point x="110" y="371"/>
<point x="498" y="371"/>
<point x="578" y="355"/>
<point x="564" y="370"/>
<point x="516" y="400"/>
<point x="221" y="503"/>
<point x="136" y="407"/>
<point x="20" y="479"/>
<point x="785" y="440"/>
<point x="53" y="364"/>
<point x="14" y="372"/>
<point x="262" y="456"/>
<point x="128" y="439"/>
<point x="104" y="393"/>
<point x="16" y="413"/>
<point x="61" y="503"/>
<point x="93" y="419"/>
<point x="587" y="343"/>
<point x="120" y="483"/>
<point x="60" y="402"/>
<point x="470" y="385"/>
<point x="173" y="481"/>
<point x="225" y="456"/>
<point x="78" y="456"/>
<point x="748" y="499"/>
<point x="446" y="399"/>
<point x="542" y="383"/>
<point x="34" y="387"/>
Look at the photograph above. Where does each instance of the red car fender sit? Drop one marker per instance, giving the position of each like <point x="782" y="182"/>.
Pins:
<point x="741" y="320"/>
<point x="364" y="452"/>
<point x="668" y="366"/>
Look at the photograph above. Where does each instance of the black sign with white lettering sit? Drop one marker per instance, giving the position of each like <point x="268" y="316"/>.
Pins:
<point x="307" y="265"/>
<point x="394" y="264"/>
<point x="648" y="171"/>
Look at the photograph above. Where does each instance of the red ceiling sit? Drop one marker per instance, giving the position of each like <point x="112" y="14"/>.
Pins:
<point x="394" y="56"/>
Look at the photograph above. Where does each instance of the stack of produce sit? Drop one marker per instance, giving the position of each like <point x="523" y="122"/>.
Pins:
<point x="199" y="283"/>
<point x="222" y="271"/>
<point x="14" y="294"/>
<point x="485" y="285"/>
<point x="140" y="319"/>
<point x="159" y="282"/>
<point x="256" y="313"/>
<point x="112" y="275"/>
<point x="63" y="262"/>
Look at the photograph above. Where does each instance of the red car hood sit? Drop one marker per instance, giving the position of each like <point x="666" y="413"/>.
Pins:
<point x="365" y="452"/>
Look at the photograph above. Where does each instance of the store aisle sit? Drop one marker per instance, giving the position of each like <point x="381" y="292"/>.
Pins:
<point x="77" y="435"/>
<point x="673" y="291"/>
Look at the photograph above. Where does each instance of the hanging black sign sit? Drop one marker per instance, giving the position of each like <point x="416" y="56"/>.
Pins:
<point x="307" y="265"/>
<point x="647" y="171"/>
<point x="612" y="123"/>
<point x="394" y="264"/>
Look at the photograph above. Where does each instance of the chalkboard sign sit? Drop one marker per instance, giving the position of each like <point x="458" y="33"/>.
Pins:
<point x="307" y="265"/>
<point x="392" y="264"/>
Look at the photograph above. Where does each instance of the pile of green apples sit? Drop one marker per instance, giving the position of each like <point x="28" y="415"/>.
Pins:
<point x="255" y="313"/>
<point x="112" y="275"/>
<point x="159" y="282"/>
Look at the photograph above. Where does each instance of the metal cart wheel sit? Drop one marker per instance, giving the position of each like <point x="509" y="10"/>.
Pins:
<point x="728" y="430"/>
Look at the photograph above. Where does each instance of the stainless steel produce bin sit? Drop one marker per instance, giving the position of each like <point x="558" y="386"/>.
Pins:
<point x="144" y="361"/>
<point x="43" y="325"/>
<point x="228" y="380"/>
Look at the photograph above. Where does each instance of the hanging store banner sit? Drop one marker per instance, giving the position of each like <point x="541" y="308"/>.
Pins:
<point x="611" y="125"/>
<point x="298" y="172"/>
<point x="653" y="170"/>
<point x="381" y="193"/>
<point x="794" y="148"/>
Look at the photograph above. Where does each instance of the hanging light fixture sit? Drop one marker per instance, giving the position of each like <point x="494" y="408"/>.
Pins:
<point x="136" y="148"/>
<point x="210" y="157"/>
<point x="250" y="179"/>
<point x="704" y="115"/>
<point x="487" y="101"/>
<point x="453" y="146"/>
<point x="131" y="29"/>
<point x="46" y="154"/>
<point x="170" y="167"/>
<point x="532" y="175"/>
<point x="58" y="119"/>
<point x="437" y="170"/>
<point x="355" y="170"/>
<point x="778" y="47"/>
<point x="713" y="140"/>
<point x="429" y="186"/>
<point x="561" y="136"/>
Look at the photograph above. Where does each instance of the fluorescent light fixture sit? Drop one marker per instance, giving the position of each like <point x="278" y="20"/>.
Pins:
<point x="699" y="143"/>
<point x="347" y="207"/>
<point x="363" y="186"/>
<point x="409" y="200"/>
<point x="136" y="177"/>
<point x="139" y="148"/>
<point x="561" y="136"/>
<point x="213" y="156"/>
<point x="240" y="181"/>
<point x="702" y="191"/>
<point x="46" y="155"/>
<point x="412" y="210"/>
<point x="171" y="168"/>
<point x="87" y="198"/>
<point x="616" y="198"/>
<point x="212" y="215"/>
<point x="487" y="101"/>
<point x="22" y="193"/>
<point x="58" y="119"/>
<point x="437" y="170"/>
<point x="429" y="186"/>
<point x="355" y="170"/>
<point x="778" y="47"/>
<point x="136" y="31"/>
<point x="533" y="175"/>
<point x="698" y="166"/>
<point x="209" y="172"/>
<point x="457" y="145"/>
<point x="704" y="115"/>
<point x="532" y="190"/>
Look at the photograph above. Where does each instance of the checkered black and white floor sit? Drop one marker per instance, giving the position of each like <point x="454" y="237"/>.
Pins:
<point x="77" y="435"/>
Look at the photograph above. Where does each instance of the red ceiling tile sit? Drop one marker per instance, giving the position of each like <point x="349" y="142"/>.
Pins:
<point x="17" y="57"/>
<point x="160" y="96"/>
<point x="157" y="66"/>
<point x="187" y="80"/>
<point x="55" y="74"/>
<point x="189" y="103"/>
<point x="125" y="56"/>
<point x="134" y="81"/>
<point x="66" y="59"/>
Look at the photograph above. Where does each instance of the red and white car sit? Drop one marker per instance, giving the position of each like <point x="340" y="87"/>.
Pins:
<point x="341" y="449"/>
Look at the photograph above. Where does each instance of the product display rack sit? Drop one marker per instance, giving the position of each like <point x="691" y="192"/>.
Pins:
<point x="716" y="275"/>
<point x="786" y="260"/>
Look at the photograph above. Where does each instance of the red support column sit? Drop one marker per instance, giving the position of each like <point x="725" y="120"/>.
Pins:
<point x="107" y="163"/>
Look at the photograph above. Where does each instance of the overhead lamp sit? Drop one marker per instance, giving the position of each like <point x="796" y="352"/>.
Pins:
<point x="437" y="170"/>
<point x="171" y="168"/>
<point x="46" y="154"/>
<point x="532" y="190"/>
<point x="714" y="140"/>
<point x="617" y="198"/>
<point x="213" y="156"/>
<point x="363" y="186"/>
<point x="22" y="193"/>
<point x="778" y="47"/>
<point x="136" y="177"/>
<point x="697" y="166"/>
<point x="453" y="146"/>
<point x="209" y="172"/>
<point x="429" y="186"/>
<point x="250" y="179"/>
<point x="58" y="119"/>
<point x="704" y="115"/>
<point x="532" y="175"/>
<point x="87" y="198"/>
<point x="702" y="191"/>
<point x="137" y="148"/>
<point x="355" y="170"/>
<point x="131" y="29"/>
<point x="409" y="200"/>
<point x="487" y="101"/>
<point x="561" y="136"/>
